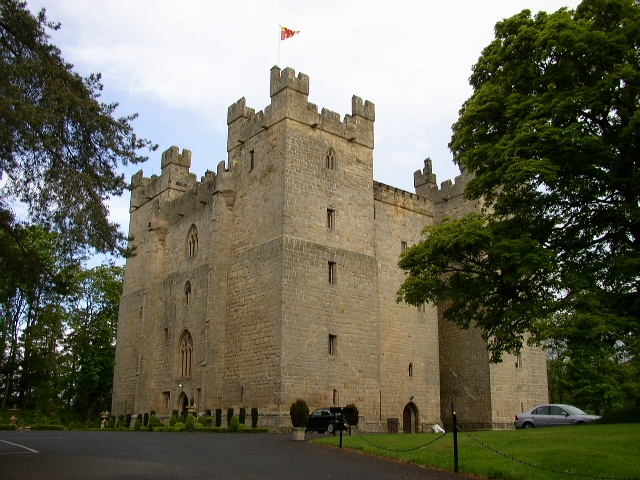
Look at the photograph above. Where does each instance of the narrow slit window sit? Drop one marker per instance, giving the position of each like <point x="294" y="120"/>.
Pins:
<point x="333" y="344"/>
<point x="331" y="219"/>
<point x="192" y="241"/>
<point x="332" y="272"/>
<point x="252" y="159"/>
<point x="336" y="398"/>
<point x="187" y="292"/>
<point x="411" y="369"/>
<point x="403" y="247"/>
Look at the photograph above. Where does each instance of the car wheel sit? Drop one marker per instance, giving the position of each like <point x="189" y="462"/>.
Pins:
<point x="330" y="428"/>
<point x="579" y="423"/>
<point x="528" y="425"/>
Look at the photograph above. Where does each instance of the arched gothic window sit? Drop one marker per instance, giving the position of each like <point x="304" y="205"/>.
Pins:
<point x="192" y="241"/>
<point x="331" y="159"/>
<point x="187" y="292"/>
<point x="186" y="352"/>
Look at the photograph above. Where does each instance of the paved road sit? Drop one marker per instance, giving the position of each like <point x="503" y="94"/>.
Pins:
<point x="138" y="455"/>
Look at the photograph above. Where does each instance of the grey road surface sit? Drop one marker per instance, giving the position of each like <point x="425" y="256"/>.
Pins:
<point x="138" y="455"/>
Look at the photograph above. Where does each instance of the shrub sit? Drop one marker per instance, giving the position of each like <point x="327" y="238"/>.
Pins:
<point x="178" y="427"/>
<point x="181" y="418"/>
<point x="218" y="417"/>
<point x="299" y="412"/>
<point x="234" y="424"/>
<point x="243" y="415"/>
<point x="137" y="425"/>
<point x="254" y="418"/>
<point x="166" y="428"/>
<point x="128" y="421"/>
<point x="173" y="421"/>
<point x="145" y="422"/>
<point x="190" y="424"/>
<point x="111" y="423"/>
<point x="229" y="416"/>
<point x="174" y="412"/>
<point x="154" y="422"/>
<point x="208" y="413"/>
<point x="351" y="414"/>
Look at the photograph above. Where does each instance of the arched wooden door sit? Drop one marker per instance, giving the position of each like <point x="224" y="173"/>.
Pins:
<point x="409" y="418"/>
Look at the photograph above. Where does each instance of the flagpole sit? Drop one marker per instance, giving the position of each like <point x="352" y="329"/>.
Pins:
<point x="279" y="42"/>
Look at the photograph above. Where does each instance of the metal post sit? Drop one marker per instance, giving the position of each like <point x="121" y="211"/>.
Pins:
<point x="455" y="441"/>
<point x="341" y="423"/>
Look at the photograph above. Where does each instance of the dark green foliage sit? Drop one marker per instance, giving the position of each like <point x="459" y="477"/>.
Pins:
<point x="208" y="413"/>
<point x="351" y="414"/>
<point x="234" y="424"/>
<point x="145" y="420"/>
<point x="173" y="420"/>
<point x="138" y="425"/>
<point x="190" y="423"/>
<point x="299" y="412"/>
<point x="229" y="415"/>
<point x="174" y="413"/>
<point x="154" y="422"/>
<point x="242" y="416"/>
<point x="551" y="134"/>
<point x="254" y="418"/>
<point x="179" y="427"/>
<point x="181" y="418"/>
<point x="128" y="421"/>
<point x="60" y="148"/>
<point x="112" y="423"/>
<point x="218" y="417"/>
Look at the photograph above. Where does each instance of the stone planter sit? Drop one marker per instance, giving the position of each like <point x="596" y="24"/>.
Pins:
<point x="298" y="433"/>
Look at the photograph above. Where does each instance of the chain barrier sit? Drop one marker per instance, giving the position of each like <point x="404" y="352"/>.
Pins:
<point x="538" y="466"/>
<point x="401" y="450"/>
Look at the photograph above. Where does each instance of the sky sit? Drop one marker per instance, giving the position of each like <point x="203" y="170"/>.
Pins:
<point x="180" y="64"/>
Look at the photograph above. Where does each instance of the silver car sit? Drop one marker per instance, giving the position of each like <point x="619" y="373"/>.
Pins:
<point x="552" y="415"/>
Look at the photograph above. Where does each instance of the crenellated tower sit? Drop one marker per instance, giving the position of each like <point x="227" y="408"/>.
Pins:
<point x="274" y="276"/>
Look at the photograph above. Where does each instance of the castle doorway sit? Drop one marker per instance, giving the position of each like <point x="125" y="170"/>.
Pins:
<point x="410" y="418"/>
<point x="183" y="402"/>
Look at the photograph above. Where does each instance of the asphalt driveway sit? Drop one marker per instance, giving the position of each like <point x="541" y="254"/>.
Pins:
<point x="138" y="455"/>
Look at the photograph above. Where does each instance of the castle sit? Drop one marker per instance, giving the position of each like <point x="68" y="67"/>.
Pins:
<point x="275" y="278"/>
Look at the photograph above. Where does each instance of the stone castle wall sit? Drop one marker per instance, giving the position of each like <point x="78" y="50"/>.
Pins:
<point x="253" y="303"/>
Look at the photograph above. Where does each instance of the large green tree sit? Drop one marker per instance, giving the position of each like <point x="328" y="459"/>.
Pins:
<point x="551" y="134"/>
<point x="60" y="147"/>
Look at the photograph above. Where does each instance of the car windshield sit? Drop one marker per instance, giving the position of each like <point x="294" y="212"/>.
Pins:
<point x="573" y="410"/>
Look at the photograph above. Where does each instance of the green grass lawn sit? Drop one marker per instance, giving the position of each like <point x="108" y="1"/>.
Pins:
<point x="611" y="451"/>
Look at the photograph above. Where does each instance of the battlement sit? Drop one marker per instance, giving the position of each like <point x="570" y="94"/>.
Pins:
<point x="401" y="198"/>
<point x="287" y="79"/>
<point x="425" y="183"/>
<point x="172" y="156"/>
<point x="289" y="100"/>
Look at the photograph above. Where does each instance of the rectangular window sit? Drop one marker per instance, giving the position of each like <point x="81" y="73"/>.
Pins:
<point x="166" y="334"/>
<point x="403" y="247"/>
<point x="336" y="398"/>
<point x="332" y="272"/>
<point x="331" y="219"/>
<point x="252" y="160"/>
<point x="333" y="344"/>
<point x="519" y="361"/>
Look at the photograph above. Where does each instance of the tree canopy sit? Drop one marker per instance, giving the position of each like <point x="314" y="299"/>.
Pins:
<point x="551" y="135"/>
<point x="60" y="147"/>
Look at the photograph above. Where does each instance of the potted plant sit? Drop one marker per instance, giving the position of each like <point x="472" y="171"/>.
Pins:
<point x="299" y="412"/>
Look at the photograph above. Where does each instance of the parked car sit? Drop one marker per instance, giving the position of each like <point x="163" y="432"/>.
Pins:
<point x="322" y="420"/>
<point x="552" y="415"/>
